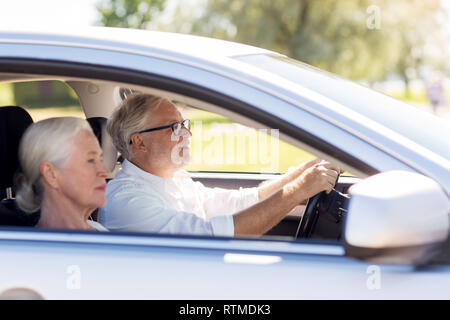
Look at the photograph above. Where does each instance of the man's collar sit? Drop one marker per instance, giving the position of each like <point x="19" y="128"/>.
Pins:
<point x="130" y="168"/>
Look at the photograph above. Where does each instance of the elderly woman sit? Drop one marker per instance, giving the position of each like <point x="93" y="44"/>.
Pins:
<point x="62" y="173"/>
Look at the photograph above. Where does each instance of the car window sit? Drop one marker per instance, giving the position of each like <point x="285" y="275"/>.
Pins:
<point x="219" y="144"/>
<point x="42" y="99"/>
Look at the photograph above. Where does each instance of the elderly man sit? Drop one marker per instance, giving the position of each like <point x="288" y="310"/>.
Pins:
<point x="151" y="193"/>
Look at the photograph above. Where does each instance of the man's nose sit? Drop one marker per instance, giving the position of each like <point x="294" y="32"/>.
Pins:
<point x="186" y="132"/>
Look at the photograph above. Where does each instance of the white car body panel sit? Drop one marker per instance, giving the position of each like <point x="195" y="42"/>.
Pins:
<point x="155" y="271"/>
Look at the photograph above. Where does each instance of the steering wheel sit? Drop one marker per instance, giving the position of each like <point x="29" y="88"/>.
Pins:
<point x="323" y="210"/>
<point x="310" y="216"/>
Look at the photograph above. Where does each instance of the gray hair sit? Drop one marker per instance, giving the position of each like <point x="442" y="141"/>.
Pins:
<point x="130" y="117"/>
<point x="45" y="140"/>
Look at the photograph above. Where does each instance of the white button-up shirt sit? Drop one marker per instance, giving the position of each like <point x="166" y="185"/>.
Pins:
<point x="139" y="201"/>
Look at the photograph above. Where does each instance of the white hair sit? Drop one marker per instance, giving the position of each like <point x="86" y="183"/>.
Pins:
<point x="130" y="117"/>
<point x="46" y="140"/>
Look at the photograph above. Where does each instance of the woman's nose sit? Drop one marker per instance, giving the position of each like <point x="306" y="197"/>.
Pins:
<point x="103" y="171"/>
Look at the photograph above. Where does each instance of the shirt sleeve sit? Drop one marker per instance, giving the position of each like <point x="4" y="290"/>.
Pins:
<point x="142" y="212"/>
<point x="219" y="201"/>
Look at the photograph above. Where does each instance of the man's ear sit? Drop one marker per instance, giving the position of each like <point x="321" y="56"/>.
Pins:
<point x="49" y="174"/>
<point x="138" y="142"/>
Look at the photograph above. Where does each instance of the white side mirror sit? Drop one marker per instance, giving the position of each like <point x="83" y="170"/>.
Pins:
<point x="396" y="217"/>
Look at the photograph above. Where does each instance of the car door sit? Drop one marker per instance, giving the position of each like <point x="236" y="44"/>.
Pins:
<point x="62" y="265"/>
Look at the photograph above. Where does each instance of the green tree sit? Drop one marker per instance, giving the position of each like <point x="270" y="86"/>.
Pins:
<point x="129" y="13"/>
<point x="357" y="39"/>
<point x="339" y="36"/>
<point x="416" y="28"/>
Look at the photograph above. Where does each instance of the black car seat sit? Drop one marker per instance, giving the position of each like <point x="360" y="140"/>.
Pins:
<point x="98" y="125"/>
<point x="14" y="121"/>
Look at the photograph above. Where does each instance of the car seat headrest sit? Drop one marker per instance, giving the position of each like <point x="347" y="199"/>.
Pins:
<point x="98" y="125"/>
<point x="14" y="121"/>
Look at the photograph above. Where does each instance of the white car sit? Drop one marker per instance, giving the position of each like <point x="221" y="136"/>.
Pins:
<point x="364" y="242"/>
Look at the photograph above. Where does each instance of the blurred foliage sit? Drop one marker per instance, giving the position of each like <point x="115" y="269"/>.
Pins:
<point x="129" y="13"/>
<point x="357" y="39"/>
<point x="39" y="94"/>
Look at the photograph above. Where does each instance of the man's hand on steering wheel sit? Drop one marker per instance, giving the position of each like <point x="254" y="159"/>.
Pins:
<point x="319" y="177"/>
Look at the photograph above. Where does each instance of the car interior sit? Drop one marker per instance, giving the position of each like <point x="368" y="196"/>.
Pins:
<point x="322" y="217"/>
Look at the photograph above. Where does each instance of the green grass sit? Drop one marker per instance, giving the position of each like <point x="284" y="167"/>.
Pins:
<point x="6" y="94"/>
<point x="218" y="145"/>
<point x="251" y="151"/>
<point x="416" y="97"/>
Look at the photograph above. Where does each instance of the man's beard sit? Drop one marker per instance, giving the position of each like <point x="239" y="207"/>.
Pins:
<point x="181" y="153"/>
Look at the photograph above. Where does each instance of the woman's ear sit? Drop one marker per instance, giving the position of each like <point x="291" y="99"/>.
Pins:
<point x="49" y="174"/>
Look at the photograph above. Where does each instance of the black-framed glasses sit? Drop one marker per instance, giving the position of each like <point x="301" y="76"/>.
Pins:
<point x="177" y="127"/>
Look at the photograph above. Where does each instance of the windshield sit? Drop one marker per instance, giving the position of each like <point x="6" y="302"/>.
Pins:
<point x="418" y="125"/>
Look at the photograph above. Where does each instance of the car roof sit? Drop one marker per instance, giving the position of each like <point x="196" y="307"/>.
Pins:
<point x="122" y="38"/>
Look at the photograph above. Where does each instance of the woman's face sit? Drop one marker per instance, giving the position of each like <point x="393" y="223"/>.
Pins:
<point x="82" y="179"/>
